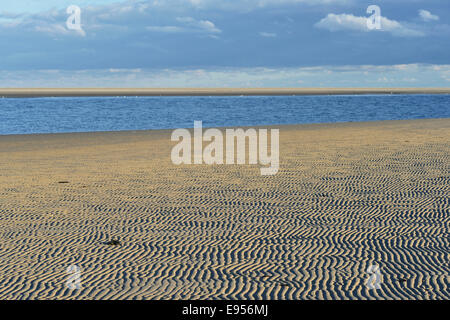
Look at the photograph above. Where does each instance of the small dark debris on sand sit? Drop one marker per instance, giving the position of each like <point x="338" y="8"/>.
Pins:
<point x="63" y="181"/>
<point x="113" y="243"/>
<point x="283" y="284"/>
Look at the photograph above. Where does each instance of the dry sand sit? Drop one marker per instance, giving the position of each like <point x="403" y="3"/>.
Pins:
<point x="70" y="92"/>
<point x="346" y="196"/>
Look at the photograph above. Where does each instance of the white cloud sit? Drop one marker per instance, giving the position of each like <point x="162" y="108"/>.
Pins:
<point x="112" y="70"/>
<point x="339" y="22"/>
<point x="204" y="25"/>
<point x="57" y="29"/>
<point x="10" y="15"/>
<point x="165" y="29"/>
<point x="188" y="24"/>
<point x="52" y="22"/>
<point x="114" y="18"/>
<point x="52" y="28"/>
<point x="427" y="16"/>
<point x="268" y="34"/>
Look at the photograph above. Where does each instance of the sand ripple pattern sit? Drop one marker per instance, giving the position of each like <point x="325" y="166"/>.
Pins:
<point x="347" y="196"/>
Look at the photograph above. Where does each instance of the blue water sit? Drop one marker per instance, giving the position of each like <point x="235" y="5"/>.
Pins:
<point x="50" y="115"/>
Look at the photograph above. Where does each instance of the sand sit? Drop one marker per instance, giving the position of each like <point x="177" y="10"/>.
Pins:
<point x="346" y="196"/>
<point x="78" y="92"/>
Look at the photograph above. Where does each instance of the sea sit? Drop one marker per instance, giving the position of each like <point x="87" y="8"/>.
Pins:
<point x="88" y="114"/>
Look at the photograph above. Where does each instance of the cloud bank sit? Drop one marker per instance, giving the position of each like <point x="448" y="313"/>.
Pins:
<point x="402" y="75"/>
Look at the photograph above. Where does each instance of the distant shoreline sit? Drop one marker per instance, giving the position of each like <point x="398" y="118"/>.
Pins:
<point x="109" y="92"/>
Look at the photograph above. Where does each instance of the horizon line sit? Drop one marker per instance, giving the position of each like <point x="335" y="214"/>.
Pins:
<point x="109" y="92"/>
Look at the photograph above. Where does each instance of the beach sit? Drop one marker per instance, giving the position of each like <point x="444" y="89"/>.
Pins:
<point x="347" y="196"/>
<point x="134" y="92"/>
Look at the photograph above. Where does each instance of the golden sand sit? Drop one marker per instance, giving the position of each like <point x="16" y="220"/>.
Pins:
<point x="346" y="196"/>
<point x="67" y="92"/>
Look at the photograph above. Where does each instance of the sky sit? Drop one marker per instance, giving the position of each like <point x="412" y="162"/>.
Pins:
<point x="224" y="43"/>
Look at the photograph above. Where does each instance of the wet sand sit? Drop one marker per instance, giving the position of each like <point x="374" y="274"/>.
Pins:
<point x="347" y="196"/>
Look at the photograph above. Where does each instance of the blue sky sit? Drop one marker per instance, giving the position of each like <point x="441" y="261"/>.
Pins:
<point x="223" y="43"/>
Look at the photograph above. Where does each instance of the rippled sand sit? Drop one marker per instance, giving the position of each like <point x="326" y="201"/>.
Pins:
<point x="347" y="196"/>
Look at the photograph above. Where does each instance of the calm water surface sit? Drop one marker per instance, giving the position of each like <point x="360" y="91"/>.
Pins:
<point x="51" y="115"/>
